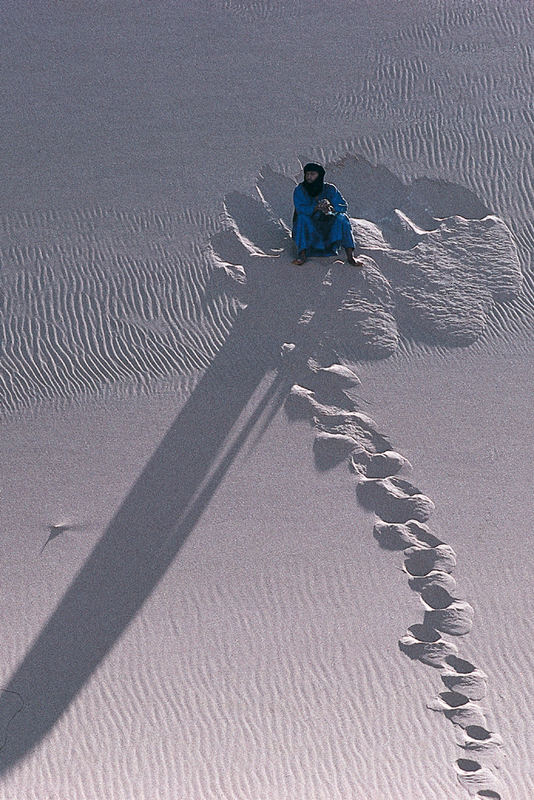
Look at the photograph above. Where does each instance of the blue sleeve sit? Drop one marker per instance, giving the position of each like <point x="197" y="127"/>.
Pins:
<point x="304" y="204"/>
<point x="336" y="198"/>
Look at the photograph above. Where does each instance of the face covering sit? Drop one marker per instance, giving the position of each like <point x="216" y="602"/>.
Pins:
<point x="316" y="187"/>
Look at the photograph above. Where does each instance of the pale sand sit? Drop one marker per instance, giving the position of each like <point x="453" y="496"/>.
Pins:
<point x="194" y="605"/>
<point x="275" y="632"/>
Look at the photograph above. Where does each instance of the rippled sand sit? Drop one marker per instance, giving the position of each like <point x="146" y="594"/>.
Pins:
<point x="265" y="528"/>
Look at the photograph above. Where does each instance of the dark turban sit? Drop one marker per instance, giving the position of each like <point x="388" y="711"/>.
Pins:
<point x="316" y="187"/>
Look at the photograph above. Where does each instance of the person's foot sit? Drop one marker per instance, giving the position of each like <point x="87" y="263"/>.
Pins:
<point x="354" y="262"/>
<point x="300" y="259"/>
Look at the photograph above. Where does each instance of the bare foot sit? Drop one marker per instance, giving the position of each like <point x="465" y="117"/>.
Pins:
<point x="355" y="262"/>
<point x="300" y="259"/>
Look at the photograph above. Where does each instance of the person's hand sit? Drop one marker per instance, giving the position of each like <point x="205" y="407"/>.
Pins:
<point x="325" y="206"/>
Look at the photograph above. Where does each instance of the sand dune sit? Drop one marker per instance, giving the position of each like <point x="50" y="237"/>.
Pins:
<point x="266" y="530"/>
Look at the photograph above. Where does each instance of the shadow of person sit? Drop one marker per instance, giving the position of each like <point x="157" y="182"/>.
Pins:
<point x="163" y="505"/>
<point x="245" y="383"/>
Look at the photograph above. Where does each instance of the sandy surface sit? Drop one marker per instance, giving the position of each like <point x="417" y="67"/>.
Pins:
<point x="215" y="582"/>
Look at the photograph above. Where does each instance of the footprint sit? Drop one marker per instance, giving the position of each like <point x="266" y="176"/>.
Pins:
<point x="330" y="449"/>
<point x="426" y="645"/>
<point x="341" y="432"/>
<point x="394" y="500"/>
<point x="467" y="765"/>
<point x="352" y="423"/>
<point x="384" y="464"/>
<point x="456" y="620"/>
<point x="459" y="709"/>
<point x="489" y="794"/>
<point x="464" y="677"/>
<point x="436" y="597"/>
<point x="466" y="715"/>
<point x="473" y="686"/>
<point x="387" y="464"/>
<point x="393" y="536"/>
<point x="334" y="377"/>
<point x="398" y="536"/>
<point x="446" y="613"/>
<point x="476" y="737"/>
<point x="454" y="699"/>
<point x="330" y="384"/>
<point x="434" y="578"/>
<point x="472" y="775"/>
<point x="421" y="562"/>
<point x="460" y="665"/>
<point x="301" y="403"/>
<point x="423" y="534"/>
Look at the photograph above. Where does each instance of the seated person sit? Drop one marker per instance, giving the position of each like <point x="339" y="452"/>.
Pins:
<point x="320" y="224"/>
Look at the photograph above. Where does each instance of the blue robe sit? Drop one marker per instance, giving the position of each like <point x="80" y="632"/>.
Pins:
<point x="316" y="234"/>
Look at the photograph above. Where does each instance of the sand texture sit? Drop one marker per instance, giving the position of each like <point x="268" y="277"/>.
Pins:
<point x="266" y="528"/>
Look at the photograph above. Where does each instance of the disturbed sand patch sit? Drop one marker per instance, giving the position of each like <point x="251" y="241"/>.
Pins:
<point x="100" y="297"/>
<point x="422" y="276"/>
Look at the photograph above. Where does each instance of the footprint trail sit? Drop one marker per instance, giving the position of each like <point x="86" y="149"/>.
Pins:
<point x="402" y="514"/>
<point x="414" y="268"/>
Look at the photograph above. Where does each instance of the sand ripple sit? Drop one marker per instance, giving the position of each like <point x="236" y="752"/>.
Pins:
<point x="264" y="687"/>
<point x="97" y="297"/>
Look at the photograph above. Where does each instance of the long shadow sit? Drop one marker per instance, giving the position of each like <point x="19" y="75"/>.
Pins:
<point x="177" y="483"/>
<point x="161" y="509"/>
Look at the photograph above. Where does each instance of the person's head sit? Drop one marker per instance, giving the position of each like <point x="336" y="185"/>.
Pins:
<point x="313" y="178"/>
